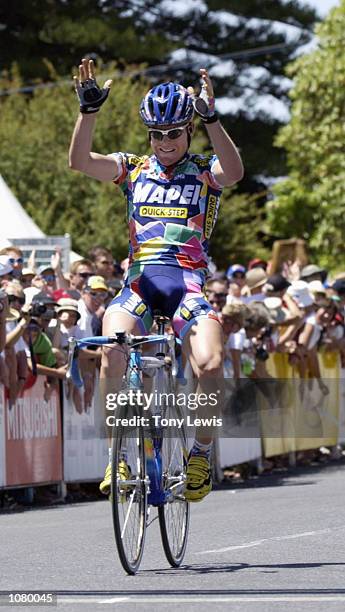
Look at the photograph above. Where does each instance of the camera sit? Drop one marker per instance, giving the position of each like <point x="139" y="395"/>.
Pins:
<point x="261" y="353"/>
<point x="37" y="309"/>
<point x="261" y="350"/>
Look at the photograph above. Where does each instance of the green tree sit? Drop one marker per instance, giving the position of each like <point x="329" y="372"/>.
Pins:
<point x="174" y="41"/>
<point x="236" y="238"/>
<point x="35" y="133"/>
<point x="310" y="203"/>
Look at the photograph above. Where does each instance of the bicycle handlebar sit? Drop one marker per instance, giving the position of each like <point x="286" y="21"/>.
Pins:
<point x="121" y="338"/>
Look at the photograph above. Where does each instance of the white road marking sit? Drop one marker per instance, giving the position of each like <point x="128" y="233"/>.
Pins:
<point x="293" y="536"/>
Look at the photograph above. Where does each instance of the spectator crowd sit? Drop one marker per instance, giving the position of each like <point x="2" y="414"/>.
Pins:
<point x="41" y="308"/>
<point x="298" y="311"/>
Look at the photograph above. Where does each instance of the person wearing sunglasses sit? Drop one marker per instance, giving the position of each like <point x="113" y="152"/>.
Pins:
<point x="172" y="203"/>
<point x="103" y="262"/>
<point x="15" y="259"/>
<point x="80" y="272"/>
<point x="216" y="292"/>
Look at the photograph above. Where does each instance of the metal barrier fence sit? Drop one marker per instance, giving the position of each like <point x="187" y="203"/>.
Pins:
<point x="50" y="442"/>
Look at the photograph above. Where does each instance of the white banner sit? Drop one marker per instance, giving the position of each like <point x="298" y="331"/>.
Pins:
<point x="2" y="438"/>
<point x="233" y="451"/>
<point x="85" y="452"/>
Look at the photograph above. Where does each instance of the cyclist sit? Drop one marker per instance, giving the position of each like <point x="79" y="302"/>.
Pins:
<point x="172" y="203"/>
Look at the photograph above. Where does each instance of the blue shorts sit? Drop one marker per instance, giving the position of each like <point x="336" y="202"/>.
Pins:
<point x="175" y="292"/>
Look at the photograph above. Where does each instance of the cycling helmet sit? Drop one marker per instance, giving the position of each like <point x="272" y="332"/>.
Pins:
<point x="233" y="269"/>
<point x="166" y="104"/>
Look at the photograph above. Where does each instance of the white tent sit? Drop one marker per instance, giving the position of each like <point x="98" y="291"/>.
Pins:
<point x="15" y="222"/>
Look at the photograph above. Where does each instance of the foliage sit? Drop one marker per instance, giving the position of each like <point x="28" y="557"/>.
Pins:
<point x="311" y="202"/>
<point x="35" y="134"/>
<point x="174" y="39"/>
<point x="235" y="238"/>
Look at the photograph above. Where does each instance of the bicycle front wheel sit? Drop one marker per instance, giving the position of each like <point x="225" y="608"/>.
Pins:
<point x="129" y="495"/>
<point x="174" y="514"/>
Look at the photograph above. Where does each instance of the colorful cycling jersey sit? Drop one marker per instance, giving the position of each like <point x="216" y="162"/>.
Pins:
<point x="171" y="212"/>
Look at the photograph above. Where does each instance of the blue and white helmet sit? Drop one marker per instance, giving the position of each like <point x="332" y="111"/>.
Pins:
<point x="167" y="104"/>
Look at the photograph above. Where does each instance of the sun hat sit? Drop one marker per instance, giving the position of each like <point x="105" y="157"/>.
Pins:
<point x="5" y="266"/>
<point x="316" y="286"/>
<point x="312" y="269"/>
<point x="69" y="305"/>
<point x="276" y="282"/>
<point x="274" y="305"/>
<point x="28" y="272"/>
<point x="45" y="268"/>
<point x="299" y="291"/>
<point x="96" y="283"/>
<point x="256" y="277"/>
<point x="13" y="315"/>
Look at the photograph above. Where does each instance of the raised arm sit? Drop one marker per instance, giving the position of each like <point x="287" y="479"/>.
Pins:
<point x="229" y="168"/>
<point x="91" y="98"/>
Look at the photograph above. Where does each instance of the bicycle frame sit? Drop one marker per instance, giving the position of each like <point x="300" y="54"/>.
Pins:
<point x="153" y="442"/>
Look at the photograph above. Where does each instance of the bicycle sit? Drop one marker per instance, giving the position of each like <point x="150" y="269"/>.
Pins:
<point x="149" y="454"/>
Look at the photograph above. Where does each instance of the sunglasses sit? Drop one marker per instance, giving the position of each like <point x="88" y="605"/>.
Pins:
<point x="49" y="278"/>
<point x="13" y="261"/>
<point x="98" y="294"/>
<point x="171" y="134"/>
<point x="217" y="296"/>
<point x="14" y="298"/>
<point x="84" y="274"/>
<point x="238" y="275"/>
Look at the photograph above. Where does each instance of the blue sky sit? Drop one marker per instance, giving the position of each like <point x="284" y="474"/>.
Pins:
<point x="322" y="6"/>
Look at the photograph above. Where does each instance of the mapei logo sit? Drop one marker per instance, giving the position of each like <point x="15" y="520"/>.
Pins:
<point x="163" y="212"/>
<point x="151" y="193"/>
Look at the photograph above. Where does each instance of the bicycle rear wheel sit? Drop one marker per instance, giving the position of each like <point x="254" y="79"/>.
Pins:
<point x="174" y="514"/>
<point x="129" y="495"/>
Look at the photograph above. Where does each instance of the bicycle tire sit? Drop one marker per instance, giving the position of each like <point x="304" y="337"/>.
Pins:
<point x="174" y="514"/>
<point x="129" y="502"/>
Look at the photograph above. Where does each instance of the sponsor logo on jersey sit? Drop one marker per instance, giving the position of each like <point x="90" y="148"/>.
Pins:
<point x="186" y="314"/>
<point x="210" y="215"/>
<point x="193" y="308"/>
<point x="140" y="309"/>
<point x="132" y="303"/>
<point x="151" y="193"/>
<point x="163" y="211"/>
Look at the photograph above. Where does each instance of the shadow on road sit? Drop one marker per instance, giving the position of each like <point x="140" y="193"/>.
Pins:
<point x="219" y="568"/>
<point x="282" y="478"/>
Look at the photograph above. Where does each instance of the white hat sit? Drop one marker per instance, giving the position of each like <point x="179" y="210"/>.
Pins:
<point x="256" y="277"/>
<point x="69" y="305"/>
<point x="5" y="266"/>
<point x="274" y="305"/>
<point x="316" y="286"/>
<point x="299" y="291"/>
<point x="28" y="271"/>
